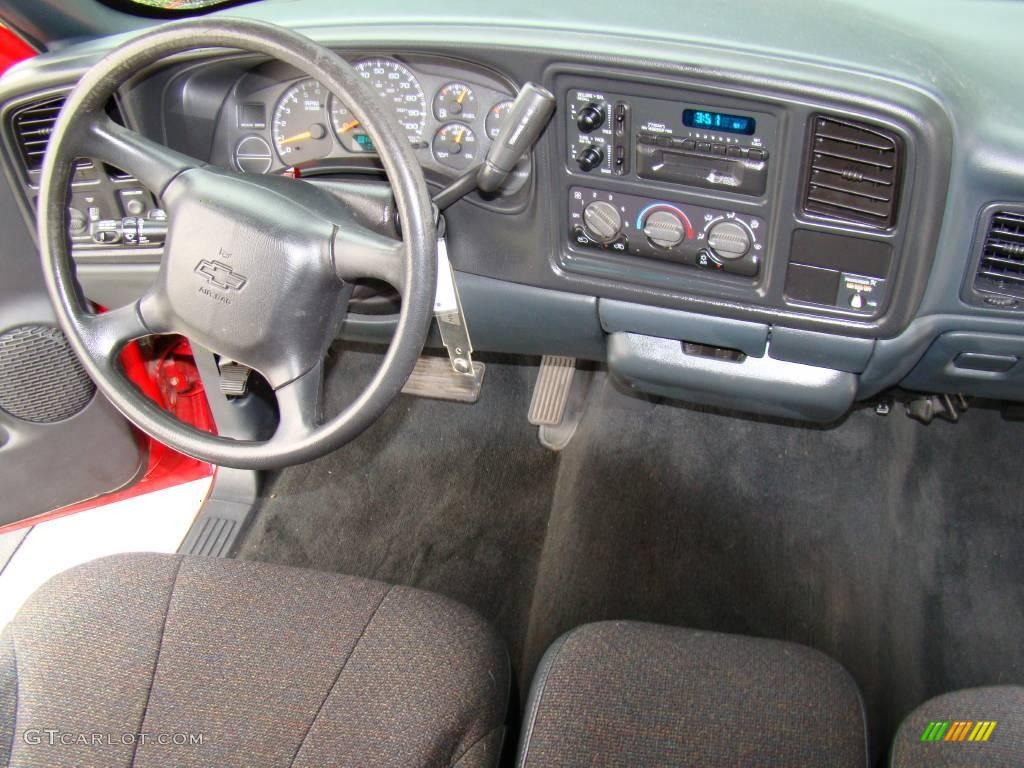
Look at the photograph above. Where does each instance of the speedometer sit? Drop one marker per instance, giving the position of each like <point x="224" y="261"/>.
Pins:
<point x="398" y="86"/>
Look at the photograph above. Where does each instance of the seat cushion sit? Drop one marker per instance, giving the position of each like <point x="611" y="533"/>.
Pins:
<point x="230" y="663"/>
<point x="977" y="726"/>
<point x="626" y="693"/>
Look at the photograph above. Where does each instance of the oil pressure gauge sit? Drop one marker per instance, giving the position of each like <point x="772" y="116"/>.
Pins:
<point x="455" y="145"/>
<point x="456" y="101"/>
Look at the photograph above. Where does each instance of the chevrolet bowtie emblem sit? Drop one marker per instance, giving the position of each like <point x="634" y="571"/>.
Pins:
<point x="220" y="274"/>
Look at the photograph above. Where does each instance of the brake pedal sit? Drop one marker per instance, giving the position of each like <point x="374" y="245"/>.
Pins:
<point x="558" y="400"/>
<point x="434" y="377"/>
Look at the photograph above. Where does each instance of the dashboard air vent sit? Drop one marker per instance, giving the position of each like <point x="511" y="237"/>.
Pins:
<point x="1001" y="267"/>
<point x="854" y="172"/>
<point x="32" y="125"/>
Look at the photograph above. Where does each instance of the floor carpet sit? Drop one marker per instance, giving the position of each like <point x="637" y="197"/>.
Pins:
<point x="892" y="546"/>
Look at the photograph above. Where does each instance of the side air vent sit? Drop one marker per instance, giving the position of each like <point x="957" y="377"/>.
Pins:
<point x="32" y="125"/>
<point x="1001" y="267"/>
<point x="854" y="172"/>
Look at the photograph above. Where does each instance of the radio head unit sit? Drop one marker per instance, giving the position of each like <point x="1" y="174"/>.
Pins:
<point x="684" y="143"/>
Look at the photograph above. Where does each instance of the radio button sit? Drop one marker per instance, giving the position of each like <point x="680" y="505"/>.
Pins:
<point x="718" y="149"/>
<point x="757" y="154"/>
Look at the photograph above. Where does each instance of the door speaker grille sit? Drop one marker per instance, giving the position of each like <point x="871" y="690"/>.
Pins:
<point x="41" y="380"/>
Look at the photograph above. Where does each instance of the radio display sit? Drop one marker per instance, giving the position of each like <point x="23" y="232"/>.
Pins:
<point x="718" y="121"/>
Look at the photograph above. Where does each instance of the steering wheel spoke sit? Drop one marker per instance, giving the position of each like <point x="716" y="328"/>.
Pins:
<point x="106" y="334"/>
<point x="300" y="405"/>
<point x="153" y="164"/>
<point x="362" y="253"/>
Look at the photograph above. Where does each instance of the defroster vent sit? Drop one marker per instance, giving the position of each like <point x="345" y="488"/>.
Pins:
<point x="854" y="172"/>
<point x="1001" y="266"/>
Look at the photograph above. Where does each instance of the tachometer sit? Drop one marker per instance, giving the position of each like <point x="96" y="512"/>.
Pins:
<point x="398" y="86"/>
<point x="300" y="124"/>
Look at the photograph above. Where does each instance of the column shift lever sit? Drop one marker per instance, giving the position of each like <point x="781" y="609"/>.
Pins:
<point x="527" y="119"/>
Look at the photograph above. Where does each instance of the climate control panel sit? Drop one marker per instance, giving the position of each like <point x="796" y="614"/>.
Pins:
<point x="706" y="238"/>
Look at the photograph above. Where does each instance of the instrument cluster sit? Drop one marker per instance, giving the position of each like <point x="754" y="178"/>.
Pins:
<point x="450" y="112"/>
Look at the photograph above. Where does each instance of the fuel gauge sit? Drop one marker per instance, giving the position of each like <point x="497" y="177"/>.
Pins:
<point x="454" y="145"/>
<point x="456" y="101"/>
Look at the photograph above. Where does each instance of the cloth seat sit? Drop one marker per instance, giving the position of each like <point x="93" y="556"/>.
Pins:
<point x="162" y="660"/>
<point x="938" y="734"/>
<point x="627" y="693"/>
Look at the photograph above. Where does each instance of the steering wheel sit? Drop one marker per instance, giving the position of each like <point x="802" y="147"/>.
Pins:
<point x="254" y="268"/>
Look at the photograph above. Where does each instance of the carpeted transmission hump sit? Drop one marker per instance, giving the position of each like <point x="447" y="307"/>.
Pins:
<point x="891" y="546"/>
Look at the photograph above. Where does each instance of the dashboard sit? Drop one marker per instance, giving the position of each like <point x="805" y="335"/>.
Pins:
<point x="835" y="229"/>
<point x="275" y="119"/>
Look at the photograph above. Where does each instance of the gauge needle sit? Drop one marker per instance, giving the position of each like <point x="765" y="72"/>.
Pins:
<point x="298" y="137"/>
<point x="315" y="131"/>
<point x="348" y="126"/>
<point x="462" y="95"/>
<point x="458" y="139"/>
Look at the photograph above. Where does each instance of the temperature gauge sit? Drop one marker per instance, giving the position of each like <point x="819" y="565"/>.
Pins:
<point x="455" y="146"/>
<point x="456" y="101"/>
<point x="496" y="116"/>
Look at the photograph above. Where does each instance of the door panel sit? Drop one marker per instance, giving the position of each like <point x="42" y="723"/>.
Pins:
<point x="60" y="440"/>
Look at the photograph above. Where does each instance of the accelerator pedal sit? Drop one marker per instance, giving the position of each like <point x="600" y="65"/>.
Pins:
<point x="559" y="397"/>
<point x="434" y="377"/>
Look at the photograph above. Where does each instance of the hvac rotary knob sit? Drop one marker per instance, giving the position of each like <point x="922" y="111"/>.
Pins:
<point x="602" y="220"/>
<point x="664" y="229"/>
<point x="728" y="240"/>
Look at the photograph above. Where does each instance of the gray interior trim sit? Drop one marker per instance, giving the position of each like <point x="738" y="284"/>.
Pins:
<point x="756" y="385"/>
<point x="942" y="369"/>
<point x="844" y="353"/>
<point x="893" y="359"/>
<point x="618" y="316"/>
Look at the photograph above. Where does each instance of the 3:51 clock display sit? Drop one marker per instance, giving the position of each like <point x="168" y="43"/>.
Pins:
<point x="718" y="121"/>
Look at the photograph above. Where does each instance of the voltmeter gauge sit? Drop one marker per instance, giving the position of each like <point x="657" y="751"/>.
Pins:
<point x="455" y="101"/>
<point x="496" y="117"/>
<point x="455" y="145"/>
<point x="300" y="124"/>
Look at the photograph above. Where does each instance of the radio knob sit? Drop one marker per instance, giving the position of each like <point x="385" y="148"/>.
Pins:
<point x="590" y="158"/>
<point x="664" y="229"/>
<point x="603" y="221"/>
<point x="728" y="240"/>
<point x="591" y="117"/>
